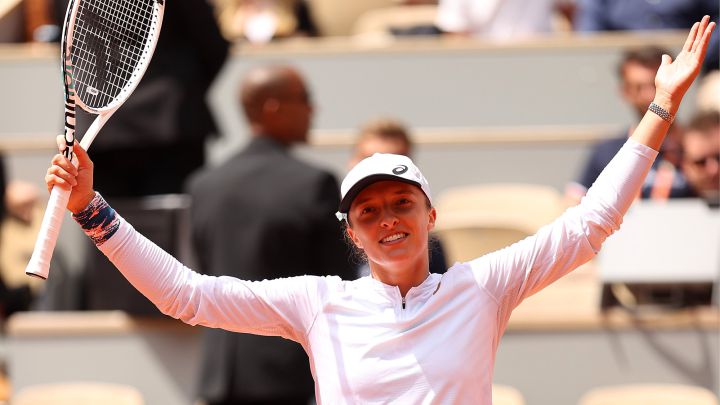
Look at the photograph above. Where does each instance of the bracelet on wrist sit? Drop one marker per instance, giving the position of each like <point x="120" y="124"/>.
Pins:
<point x="661" y="112"/>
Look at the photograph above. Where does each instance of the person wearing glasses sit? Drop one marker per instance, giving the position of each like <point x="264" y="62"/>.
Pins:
<point x="701" y="155"/>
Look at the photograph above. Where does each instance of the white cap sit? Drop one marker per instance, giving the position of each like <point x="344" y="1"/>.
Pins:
<point x="378" y="167"/>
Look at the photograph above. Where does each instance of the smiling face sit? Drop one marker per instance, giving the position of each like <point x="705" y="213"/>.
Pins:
<point x="390" y="221"/>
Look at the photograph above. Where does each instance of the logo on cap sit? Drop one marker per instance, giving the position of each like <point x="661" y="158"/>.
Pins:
<point x="400" y="169"/>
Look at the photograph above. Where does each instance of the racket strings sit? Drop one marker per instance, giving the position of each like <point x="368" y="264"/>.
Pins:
<point x="109" y="41"/>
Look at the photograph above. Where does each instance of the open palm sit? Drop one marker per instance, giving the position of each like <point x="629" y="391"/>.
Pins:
<point x="674" y="78"/>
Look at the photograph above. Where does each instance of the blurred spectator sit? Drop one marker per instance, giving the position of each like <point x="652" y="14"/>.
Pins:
<point x="499" y="19"/>
<point x="12" y="298"/>
<point x="637" y="88"/>
<point x="39" y="24"/>
<point x="18" y="231"/>
<point x="260" y="21"/>
<point x="152" y="144"/>
<point x="381" y="135"/>
<point x="21" y="200"/>
<point x="387" y="135"/>
<point x="708" y="95"/>
<point x="18" y="202"/>
<point x="701" y="155"/>
<point x="264" y="214"/>
<point x="634" y="15"/>
<point x="157" y="138"/>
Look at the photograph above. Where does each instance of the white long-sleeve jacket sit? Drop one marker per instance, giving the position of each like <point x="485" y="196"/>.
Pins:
<point x="365" y="344"/>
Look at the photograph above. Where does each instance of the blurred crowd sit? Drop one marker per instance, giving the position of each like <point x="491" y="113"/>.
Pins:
<point x="260" y="21"/>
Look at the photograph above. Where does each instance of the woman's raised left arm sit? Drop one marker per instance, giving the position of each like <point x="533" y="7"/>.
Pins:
<point x="672" y="80"/>
<point x="526" y="267"/>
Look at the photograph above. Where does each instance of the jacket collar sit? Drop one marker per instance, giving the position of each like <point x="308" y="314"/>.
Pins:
<point x="265" y="144"/>
<point x="428" y="286"/>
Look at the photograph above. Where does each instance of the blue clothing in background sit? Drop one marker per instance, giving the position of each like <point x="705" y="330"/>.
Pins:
<point x="604" y="151"/>
<point x="634" y="15"/>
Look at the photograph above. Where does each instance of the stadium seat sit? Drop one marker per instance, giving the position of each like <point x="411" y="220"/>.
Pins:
<point x="646" y="394"/>
<point x="157" y="357"/>
<point x="474" y="220"/>
<point x="78" y="393"/>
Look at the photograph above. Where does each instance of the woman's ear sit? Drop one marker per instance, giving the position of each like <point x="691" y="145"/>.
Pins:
<point x="353" y="237"/>
<point x="433" y="217"/>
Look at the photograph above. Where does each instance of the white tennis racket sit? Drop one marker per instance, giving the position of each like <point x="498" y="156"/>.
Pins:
<point x="105" y="49"/>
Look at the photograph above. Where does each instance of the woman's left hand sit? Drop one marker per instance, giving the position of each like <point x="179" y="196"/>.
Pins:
<point x="673" y="78"/>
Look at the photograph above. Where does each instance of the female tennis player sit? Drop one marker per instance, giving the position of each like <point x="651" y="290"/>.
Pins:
<point x="400" y="335"/>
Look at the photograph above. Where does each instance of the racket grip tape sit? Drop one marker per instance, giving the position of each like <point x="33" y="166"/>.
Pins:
<point x="39" y="265"/>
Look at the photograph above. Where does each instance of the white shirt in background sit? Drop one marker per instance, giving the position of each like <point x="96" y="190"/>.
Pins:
<point x="496" y="19"/>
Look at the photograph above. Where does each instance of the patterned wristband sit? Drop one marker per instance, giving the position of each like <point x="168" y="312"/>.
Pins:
<point x="98" y="220"/>
<point x="661" y="112"/>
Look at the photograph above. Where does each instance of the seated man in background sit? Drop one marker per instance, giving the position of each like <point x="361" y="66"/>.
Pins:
<point x="636" y="72"/>
<point x="701" y="156"/>
<point x="387" y="135"/>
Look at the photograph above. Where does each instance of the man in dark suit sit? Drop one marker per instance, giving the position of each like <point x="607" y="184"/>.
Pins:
<point x="157" y="138"/>
<point x="264" y="214"/>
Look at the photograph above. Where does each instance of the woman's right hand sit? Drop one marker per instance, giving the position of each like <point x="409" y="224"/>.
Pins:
<point x="63" y="173"/>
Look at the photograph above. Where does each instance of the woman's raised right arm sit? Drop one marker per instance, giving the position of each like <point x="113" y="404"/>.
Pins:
<point x="283" y="307"/>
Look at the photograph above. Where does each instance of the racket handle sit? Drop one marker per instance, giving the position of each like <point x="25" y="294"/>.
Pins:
<point x="39" y="265"/>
